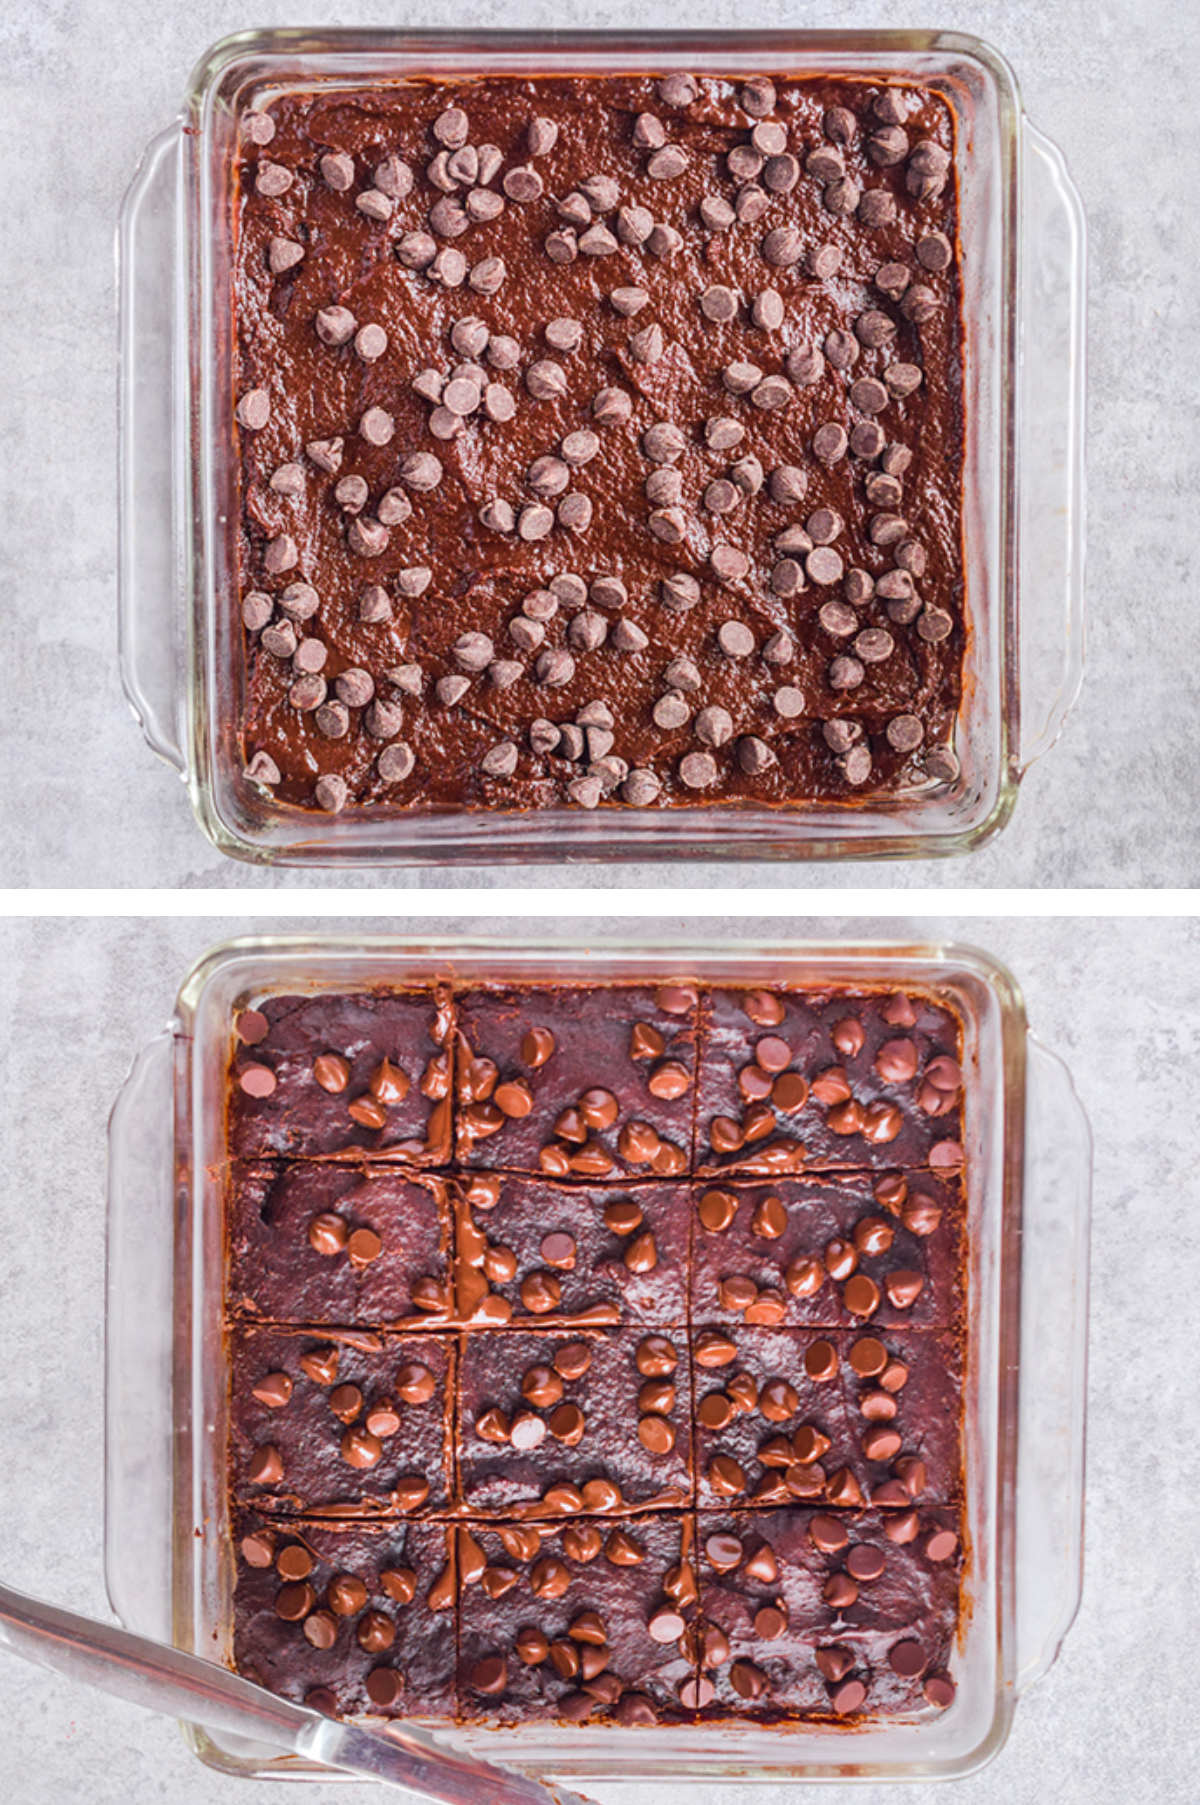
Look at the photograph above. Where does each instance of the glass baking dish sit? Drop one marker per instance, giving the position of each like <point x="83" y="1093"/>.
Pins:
<point x="1022" y="230"/>
<point x="1028" y="1173"/>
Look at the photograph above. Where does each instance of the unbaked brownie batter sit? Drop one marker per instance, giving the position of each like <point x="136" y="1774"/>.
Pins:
<point x="601" y="442"/>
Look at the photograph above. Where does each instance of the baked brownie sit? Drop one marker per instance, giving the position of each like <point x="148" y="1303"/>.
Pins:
<point x="339" y="1075"/>
<point x="484" y="1412"/>
<point x="826" y="1416"/>
<point x="587" y="1623"/>
<point x="600" y="442"/>
<point x="550" y="1425"/>
<point x="335" y="1243"/>
<point x="574" y="1080"/>
<point x="356" y="1619"/>
<point x="827" y="1614"/>
<point x="834" y="1251"/>
<point x="571" y="1254"/>
<point x="794" y="1080"/>
<point x="342" y="1423"/>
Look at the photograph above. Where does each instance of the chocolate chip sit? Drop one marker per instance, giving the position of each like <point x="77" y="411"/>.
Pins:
<point x="395" y="762"/>
<point x="665" y="164"/>
<point x="919" y="303"/>
<point x="698" y="770"/>
<point x="331" y="793"/>
<point x="487" y="276"/>
<point x="744" y="162"/>
<point x="728" y="563"/>
<point x="272" y="179"/>
<point x="253" y="410"/>
<point x="754" y="755"/>
<point x="337" y="171"/>
<point x="541" y="136"/>
<point x="735" y="639"/>
<point x="829" y="442"/>
<point x="934" y="624"/>
<point x="716" y="213"/>
<point x="280" y="640"/>
<point x="375" y="205"/>
<point x="877" y="207"/>
<point x="641" y="788"/>
<point x="646" y="345"/>
<point x="634" y="225"/>
<point x="838" y="619"/>
<point x="611" y="405"/>
<point x="868" y="395"/>
<point x="664" y="442"/>
<point x="393" y="177"/>
<point x="934" y="252"/>
<point x="788" y="702"/>
<point x="713" y="726"/>
<point x="782" y="247"/>
<point x="804" y="366"/>
<point x="671" y="711"/>
<point x="677" y="90"/>
<point x="771" y="393"/>
<point x="351" y="494"/>
<point x="574" y="512"/>
<point x="597" y="241"/>
<point x="283" y="254"/>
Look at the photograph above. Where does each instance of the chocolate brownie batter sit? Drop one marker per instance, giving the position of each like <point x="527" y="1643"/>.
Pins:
<point x="601" y="442"/>
<point x="525" y="1426"/>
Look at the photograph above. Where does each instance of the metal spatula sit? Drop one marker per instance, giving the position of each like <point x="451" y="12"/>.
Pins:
<point x="181" y="1685"/>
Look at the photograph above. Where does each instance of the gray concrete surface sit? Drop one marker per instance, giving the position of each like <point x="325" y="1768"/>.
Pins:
<point x="1112" y="1723"/>
<point x="83" y="86"/>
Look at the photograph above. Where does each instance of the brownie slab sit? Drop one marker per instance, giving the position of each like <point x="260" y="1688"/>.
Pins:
<point x="818" y="1416"/>
<point x="553" y="1424"/>
<point x="792" y="1080"/>
<point x="829" y="1615"/>
<point x="560" y="1254"/>
<point x="600" y="442"/>
<point x="587" y="1623"/>
<point x="341" y="1422"/>
<point x="355" y="1246"/>
<point x="341" y="1075"/>
<point x="577" y="1081"/>
<point x="353" y="1619"/>
<point x="833" y="1251"/>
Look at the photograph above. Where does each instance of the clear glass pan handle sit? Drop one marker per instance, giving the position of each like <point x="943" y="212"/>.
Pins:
<point x="150" y="581"/>
<point x="1050" y="449"/>
<point x="139" y="1433"/>
<point x="1056" y="1225"/>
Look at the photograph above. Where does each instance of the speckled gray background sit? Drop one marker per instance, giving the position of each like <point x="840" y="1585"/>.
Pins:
<point x="85" y="83"/>
<point x="1111" y="1724"/>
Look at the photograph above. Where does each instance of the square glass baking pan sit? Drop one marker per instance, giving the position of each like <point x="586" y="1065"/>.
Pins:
<point x="1022" y="233"/>
<point x="1028" y="1172"/>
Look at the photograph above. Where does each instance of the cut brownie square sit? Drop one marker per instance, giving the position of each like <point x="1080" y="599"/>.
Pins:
<point x="792" y="1081"/>
<point x="335" y="1243"/>
<point x="770" y="1417"/>
<point x="827" y="1614"/>
<point x="831" y="1251"/>
<point x="341" y="1422"/>
<point x="353" y="1619"/>
<point x="553" y="1424"/>
<point x="591" y="1622"/>
<point x="795" y="1414"/>
<point x="334" y="1076"/>
<point x="578" y="1081"/>
<point x="561" y="1254"/>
